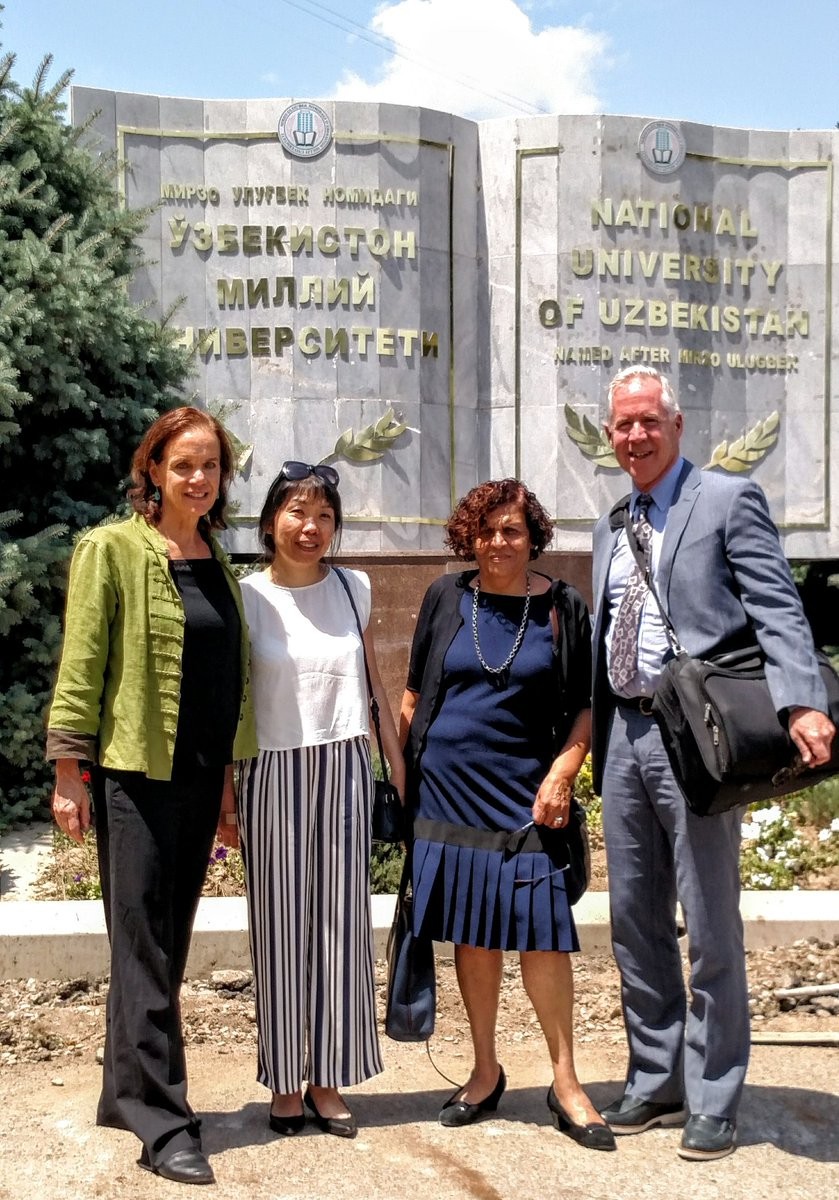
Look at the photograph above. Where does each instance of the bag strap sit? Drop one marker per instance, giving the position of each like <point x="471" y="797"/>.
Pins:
<point x="374" y="704"/>
<point x="561" y="618"/>
<point x="645" y="567"/>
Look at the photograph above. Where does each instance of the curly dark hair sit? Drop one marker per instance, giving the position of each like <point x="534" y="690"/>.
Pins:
<point x="143" y="493"/>
<point x="470" y="516"/>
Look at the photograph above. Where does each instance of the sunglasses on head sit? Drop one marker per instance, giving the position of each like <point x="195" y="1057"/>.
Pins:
<point x="300" y="470"/>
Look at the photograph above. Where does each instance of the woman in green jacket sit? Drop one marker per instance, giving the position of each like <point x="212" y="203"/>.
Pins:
<point x="153" y="691"/>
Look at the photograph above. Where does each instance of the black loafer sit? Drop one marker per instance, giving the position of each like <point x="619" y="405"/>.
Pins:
<point x="631" y="1115"/>
<point x="593" y="1136"/>
<point x="707" y="1138"/>
<point x="339" y="1126"/>
<point x="455" y="1113"/>
<point x="184" y="1166"/>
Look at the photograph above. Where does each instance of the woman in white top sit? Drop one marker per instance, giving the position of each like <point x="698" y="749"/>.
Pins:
<point x="304" y="809"/>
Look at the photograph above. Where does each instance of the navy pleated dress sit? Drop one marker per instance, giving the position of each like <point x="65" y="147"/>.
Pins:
<point x="486" y="753"/>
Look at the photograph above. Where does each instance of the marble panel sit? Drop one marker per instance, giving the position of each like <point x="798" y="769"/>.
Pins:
<point x="85" y="100"/>
<point x="643" y="281"/>
<point x="539" y="185"/>
<point x="468" y="343"/>
<point x="502" y="349"/>
<point x="434" y="482"/>
<point x="137" y="111"/>
<point x="485" y="420"/>
<point x="502" y="449"/>
<point x="401" y="464"/>
<point x="808" y="215"/>
<point x="263" y="115"/>
<point x="181" y="115"/>
<point x="539" y="452"/>
<point x="465" y="450"/>
<point x="405" y="539"/>
<point x="730" y="143"/>
<point x="431" y="538"/>
<point x="225" y="116"/>
<point x="436" y="126"/>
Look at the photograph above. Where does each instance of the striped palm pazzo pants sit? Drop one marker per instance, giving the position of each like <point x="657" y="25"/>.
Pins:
<point x="304" y="824"/>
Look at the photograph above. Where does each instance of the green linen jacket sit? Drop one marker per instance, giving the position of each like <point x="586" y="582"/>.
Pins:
<point x="118" y="688"/>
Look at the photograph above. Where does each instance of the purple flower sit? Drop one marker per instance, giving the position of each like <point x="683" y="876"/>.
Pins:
<point x="220" y="853"/>
<point x="78" y="878"/>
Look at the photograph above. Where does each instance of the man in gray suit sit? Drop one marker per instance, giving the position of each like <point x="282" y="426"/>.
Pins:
<point x="717" y="565"/>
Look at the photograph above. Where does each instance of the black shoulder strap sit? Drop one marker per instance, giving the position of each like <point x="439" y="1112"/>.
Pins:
<point x="374" y="704"/>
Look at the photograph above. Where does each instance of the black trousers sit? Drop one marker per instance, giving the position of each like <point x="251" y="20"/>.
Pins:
<point x="154" y="840"/>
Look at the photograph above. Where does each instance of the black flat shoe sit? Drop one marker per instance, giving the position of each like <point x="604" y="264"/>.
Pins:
<point x="286" y="1125"/>
<point x="455" y="1113"/>
<point x="184" y="1166"/>
<point x="593" y="1136"/>
<point x="339" y="1126"/>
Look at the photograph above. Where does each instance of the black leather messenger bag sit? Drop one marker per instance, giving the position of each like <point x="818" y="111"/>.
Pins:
<point x="725" y="741"/>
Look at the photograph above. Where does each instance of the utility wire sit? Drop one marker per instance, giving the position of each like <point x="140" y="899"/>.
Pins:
<point x="347" y="25"/>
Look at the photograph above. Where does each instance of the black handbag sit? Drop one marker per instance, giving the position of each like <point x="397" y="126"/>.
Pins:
<point x="725" y="741"/>
<point x="411" y="979"/>
<point x="388" y="819"/>
<point x="578" y="871"/>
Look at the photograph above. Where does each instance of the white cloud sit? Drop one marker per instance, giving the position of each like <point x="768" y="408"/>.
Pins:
<point x="488" y="44"/>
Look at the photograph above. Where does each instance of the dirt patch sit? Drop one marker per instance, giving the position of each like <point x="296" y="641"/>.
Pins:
<point x="51" y="1021"/>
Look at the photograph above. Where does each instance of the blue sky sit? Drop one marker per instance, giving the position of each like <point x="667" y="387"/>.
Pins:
<point x="769" y="65"/>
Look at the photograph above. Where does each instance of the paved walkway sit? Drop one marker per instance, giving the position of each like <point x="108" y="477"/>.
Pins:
<point x="788" y="1137"/>
<point x="22" y="856"/>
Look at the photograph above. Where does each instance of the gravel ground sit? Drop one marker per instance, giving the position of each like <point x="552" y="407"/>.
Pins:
<point x="788" y="1126"/>
<point x="52" y="1021"/>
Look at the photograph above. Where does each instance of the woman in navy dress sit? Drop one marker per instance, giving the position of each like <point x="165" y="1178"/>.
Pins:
<point x="496" y="721"/>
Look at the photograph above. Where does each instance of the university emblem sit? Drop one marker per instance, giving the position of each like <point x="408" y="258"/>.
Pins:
<point x="661" y="147"/>
<point x="304" y="130"/>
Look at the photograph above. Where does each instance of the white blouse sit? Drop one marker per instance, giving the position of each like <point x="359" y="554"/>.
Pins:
<point x="307" y="660"/>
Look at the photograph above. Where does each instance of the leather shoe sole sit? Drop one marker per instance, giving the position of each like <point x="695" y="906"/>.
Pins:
<point x="707" y="1138"/>
<point x="629" y="1115"/>
<point x="184" y="1166"/>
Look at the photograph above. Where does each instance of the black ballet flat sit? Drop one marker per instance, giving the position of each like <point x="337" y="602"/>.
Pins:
<point x="455" y="1113"/>
<point x="339" y="1126"/>
<point x="286" y="1125"/>
<point x="593" y="1136"/>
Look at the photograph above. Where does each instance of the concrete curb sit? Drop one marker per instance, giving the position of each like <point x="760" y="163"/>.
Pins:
<point x="48" y="939"/>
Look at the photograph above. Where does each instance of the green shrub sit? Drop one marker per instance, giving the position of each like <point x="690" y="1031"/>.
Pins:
<point x="817" y="805"/>
<point x="385" y="868"/>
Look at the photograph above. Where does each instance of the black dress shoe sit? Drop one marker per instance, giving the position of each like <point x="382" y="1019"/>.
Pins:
<point x="183" y="1166"/>
<point x="286" y="1125"/>
<point x="339" y="1126"/>
<point x="455" y="1113"/>
<point x="593" y="1136"/>
<point x="707" y="1137"/>
<point x="631" y="1115"/>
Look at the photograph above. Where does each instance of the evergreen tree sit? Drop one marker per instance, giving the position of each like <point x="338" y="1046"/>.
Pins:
<point x="82" y="373"/>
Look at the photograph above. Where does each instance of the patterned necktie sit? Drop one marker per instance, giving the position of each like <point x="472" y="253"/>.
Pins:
<point x="623" y="664"/>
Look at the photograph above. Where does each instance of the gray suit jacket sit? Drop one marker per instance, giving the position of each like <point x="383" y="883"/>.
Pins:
<point x="724" y="581"/>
